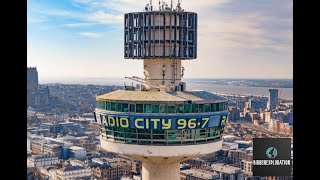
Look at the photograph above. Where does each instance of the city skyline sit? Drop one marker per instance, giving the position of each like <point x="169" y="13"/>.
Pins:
<point x="66" y="38"/>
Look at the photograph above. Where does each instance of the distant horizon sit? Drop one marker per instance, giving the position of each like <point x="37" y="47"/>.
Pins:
<point x="205" y="84"/>
<point x="120" y="81"/>
<point x="121" y="77"/>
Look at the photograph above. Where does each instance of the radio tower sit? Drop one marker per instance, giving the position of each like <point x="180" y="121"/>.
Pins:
<point x="161" y="123"/>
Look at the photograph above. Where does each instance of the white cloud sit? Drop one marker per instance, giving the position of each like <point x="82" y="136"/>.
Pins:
<point x="105" y="18"/>
<point x="118" y="7"/>
<point x="83" y="1"/>
<point x="224" y="32"/>
<point x="71" y="25"/>
<point x="123" y="6"/>
<point x="90" y="34"/>
<point x="35" y="19"/>
<point x="196" y="5"/>
<point x="246" y="32"/>
<point x="244" y="42"/>
<point x="223" y="36"/>
<point x="55" y="12"/>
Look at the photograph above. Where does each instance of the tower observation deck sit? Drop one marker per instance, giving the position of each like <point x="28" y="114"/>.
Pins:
<point x="161" y="123"/>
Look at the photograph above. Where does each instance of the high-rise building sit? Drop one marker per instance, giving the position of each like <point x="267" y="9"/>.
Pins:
<point x="290" y="115"/>
<point x="268" y="116"/>
<point x="37" y="96"/>
<point x="257" y="103"/>
<point x="246" y="108"/>
<point x="240" y="104"/>
<point x="234" y="115"/>
<point x="161" y="123"/>
<point x="246" y="165"/>
<point x="272" y="99"/>
<point x="32" y="85"/>
<point x="42" y="97"/>
<point x="236" y="156"/>
<point x="32" y="79"/>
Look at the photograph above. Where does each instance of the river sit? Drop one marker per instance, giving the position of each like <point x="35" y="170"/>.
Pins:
<point x="284" y="93"/>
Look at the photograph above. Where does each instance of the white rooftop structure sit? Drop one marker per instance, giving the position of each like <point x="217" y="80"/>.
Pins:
<point x="228" y="136"/>
<point x="76" y="148"/>
<point x="242" y="142"/>
<point x="104" y="160"/>
<point x="225" y="168"/>
<point x="203" y="174"/>
<point x="229" y="146"/>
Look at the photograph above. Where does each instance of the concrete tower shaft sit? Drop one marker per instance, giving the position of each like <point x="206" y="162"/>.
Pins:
<point x="162" y="72"/>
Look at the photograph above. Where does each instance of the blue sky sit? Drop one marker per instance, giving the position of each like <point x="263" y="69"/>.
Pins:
<point x="236" y="38"/>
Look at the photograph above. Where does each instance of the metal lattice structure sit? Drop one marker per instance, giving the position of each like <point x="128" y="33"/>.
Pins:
<point x="160" y="34"/>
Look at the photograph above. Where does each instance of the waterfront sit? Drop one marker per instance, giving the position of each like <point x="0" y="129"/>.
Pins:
<point x="284" y="93"/>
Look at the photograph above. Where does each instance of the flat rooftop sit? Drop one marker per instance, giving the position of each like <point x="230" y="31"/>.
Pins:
<point x="82" y="119"/>
<point x="42" y="156"/>
<point x="157" y="96"/>
<point x="220" y="167"/>
<point x="76" y="148"/>
<point x="228" y="145"/>
<point x="104" y="160"/>
<point x="242" y="142"/>
<point x="203" y="174"/>
<point x="228" y="136"/>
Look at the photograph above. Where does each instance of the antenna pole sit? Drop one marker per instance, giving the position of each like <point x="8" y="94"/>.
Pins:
<point x="178" y="6"/>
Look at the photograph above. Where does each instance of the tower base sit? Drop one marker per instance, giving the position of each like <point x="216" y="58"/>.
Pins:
<point x="161" y="171"/>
